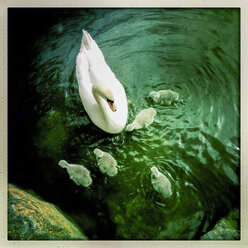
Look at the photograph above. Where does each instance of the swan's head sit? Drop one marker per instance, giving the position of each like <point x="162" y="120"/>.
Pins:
<point x="111" y="104"/>
<point x="106" y="94"/>
<point x="109" y="97"/>
<point x="155" y="171"/>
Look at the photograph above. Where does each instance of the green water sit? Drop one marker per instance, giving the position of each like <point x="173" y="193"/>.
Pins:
<point x="194" y="142"/>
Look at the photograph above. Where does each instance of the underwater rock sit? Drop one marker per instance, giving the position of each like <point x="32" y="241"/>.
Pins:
<point x="106" y="162"/>
<point x="78" y="173"/>
<point x="225" y="229"/>
<point x="164" y="96"/>
<point x="143" y="119"/>
<point x="30" y="218"/>
<point x="160" y="182"/>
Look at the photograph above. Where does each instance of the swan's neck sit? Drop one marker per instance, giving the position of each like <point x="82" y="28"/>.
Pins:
<point x="97" y="93"/>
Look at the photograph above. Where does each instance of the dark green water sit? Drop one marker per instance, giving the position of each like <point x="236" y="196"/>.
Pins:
<point x="195" y="142"/>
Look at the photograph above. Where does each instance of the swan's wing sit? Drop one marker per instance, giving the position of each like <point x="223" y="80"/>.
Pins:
<point x="91" y="49"/>
<point x="99" y="71"/>
<point x="82" y="73"/>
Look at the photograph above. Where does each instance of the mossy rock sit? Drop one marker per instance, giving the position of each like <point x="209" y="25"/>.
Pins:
<point x="225" y="229"/>
<point x="30" y="218"/>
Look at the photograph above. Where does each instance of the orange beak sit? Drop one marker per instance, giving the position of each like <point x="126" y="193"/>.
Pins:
<point x="112" y="105"/>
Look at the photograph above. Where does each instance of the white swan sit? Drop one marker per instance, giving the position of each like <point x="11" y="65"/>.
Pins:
<point x="164" y="96"/>
<point x="78" y="173"/>
<point x="106" y="162"/>
<point x="103" y="96"/>
<point x="160" y="182"/>
<point x="143" y="119"/>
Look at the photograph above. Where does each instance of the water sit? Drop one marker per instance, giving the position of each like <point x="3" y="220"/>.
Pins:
<point x="194" y="142"/>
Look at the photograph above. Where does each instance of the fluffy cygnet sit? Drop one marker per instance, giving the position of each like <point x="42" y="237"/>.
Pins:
<point x="78" y="173"/>
<point x="164" y="96"/>
<point x="160" y="182"/>
<point x="106" y="162"/>
<point x="143" y="119"/>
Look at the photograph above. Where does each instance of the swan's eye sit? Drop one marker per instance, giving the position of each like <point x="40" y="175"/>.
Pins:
<point x="110" y="101"/>
<point x="111" y="105"/>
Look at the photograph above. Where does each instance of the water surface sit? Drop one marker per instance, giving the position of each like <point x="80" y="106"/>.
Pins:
<point x="194" y="142"/>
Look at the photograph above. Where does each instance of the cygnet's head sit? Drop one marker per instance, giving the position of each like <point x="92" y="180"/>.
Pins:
<point x="130" y="127"/>
<point x="154" y="95"/>
<point x="152" y="111"/>
<point x="155" y="171"/>
<point x="98" y="153"/>
<point x="63" y="164"/>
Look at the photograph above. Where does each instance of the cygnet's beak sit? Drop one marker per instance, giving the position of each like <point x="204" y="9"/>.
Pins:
<point x="111" y="105"/>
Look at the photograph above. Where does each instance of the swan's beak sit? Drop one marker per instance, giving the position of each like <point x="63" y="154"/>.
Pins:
<point x="111" y="105"/>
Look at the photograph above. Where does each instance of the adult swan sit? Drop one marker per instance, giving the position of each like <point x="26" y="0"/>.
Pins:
<point x="103" y="96"/>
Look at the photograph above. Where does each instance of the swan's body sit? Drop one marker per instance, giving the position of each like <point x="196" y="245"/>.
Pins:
<point x="78" y="173"/>
<point x="106" y="163"/>
<point x="164" y="96"/>
<point x="160" y="182"/>
<point x="103" y="96"/>
<point x="143" y="119"/>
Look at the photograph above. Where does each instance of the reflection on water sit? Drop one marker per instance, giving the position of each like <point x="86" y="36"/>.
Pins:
<point x="194" y="142"/>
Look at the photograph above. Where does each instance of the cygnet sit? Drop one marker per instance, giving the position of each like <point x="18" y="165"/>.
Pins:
<point x="160" y="182"/>
<point x="143" y="119"/>
<point x="78" y="173"/>
<point x="164" y="96"/>
<point x="106" y="162"/>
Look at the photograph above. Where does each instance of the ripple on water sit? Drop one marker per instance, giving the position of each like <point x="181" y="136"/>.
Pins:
<point x="194" y="142"/>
